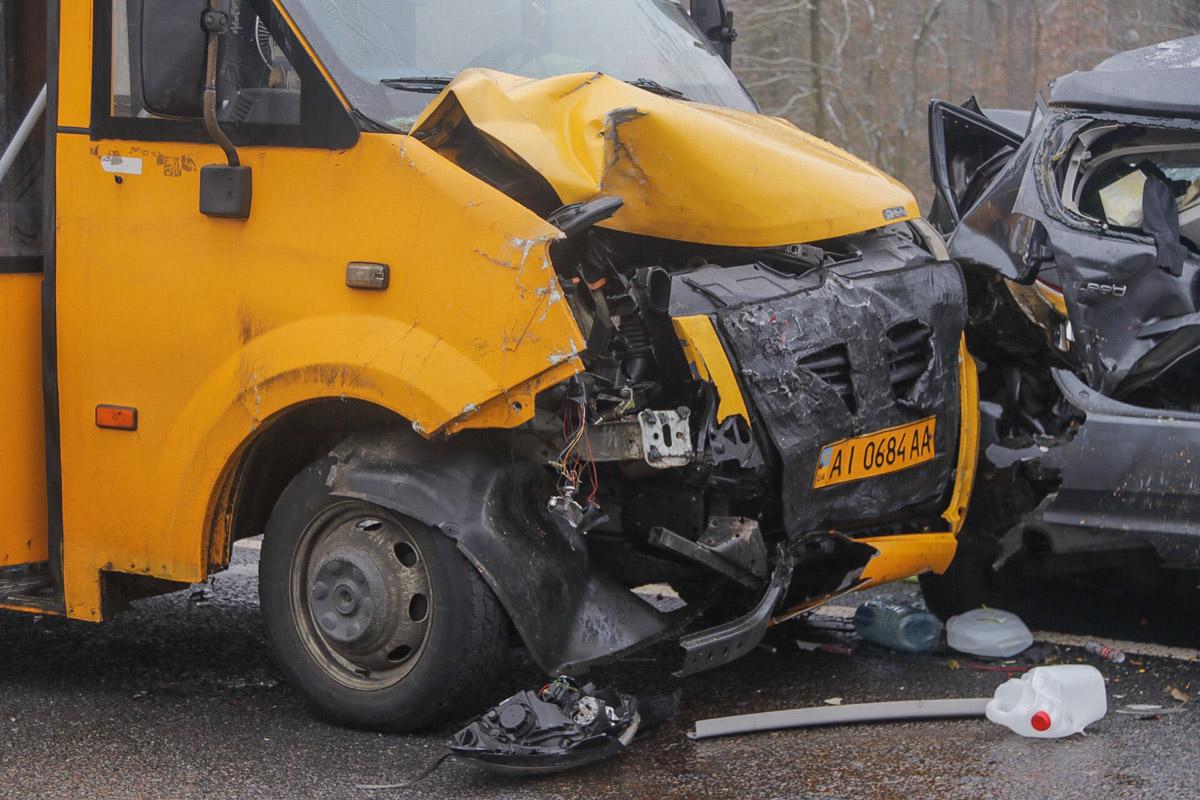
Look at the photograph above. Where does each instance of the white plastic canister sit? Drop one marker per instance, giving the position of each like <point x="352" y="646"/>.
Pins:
<point x="1050" y="702"/>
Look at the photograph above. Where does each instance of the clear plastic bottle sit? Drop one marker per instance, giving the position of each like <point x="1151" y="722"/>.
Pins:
<point x="897" y="626"/>
<point x="1105" y="651"/>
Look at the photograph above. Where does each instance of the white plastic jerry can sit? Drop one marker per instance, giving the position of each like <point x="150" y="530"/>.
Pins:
<point x="1050" y="702"/>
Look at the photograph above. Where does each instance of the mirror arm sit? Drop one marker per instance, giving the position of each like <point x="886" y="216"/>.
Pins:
<point x="215" y="23"/>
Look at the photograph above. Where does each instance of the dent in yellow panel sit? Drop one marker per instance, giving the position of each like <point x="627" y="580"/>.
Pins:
<point x="590" y="134"/>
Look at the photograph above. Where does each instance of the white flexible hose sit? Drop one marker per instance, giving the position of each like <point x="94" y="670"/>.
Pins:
<point x="840" y="715"/>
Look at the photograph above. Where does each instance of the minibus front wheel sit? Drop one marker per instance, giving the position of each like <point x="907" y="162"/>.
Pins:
<point x="378" y="620"/>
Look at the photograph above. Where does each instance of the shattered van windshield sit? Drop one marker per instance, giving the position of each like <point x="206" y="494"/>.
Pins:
<point x="391" y="56"/>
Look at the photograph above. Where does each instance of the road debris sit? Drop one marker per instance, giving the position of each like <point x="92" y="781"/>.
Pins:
<point x="1179" y="694"/>
<point x="825" y="647"/>
<point x="896" y="710"/>
<point x="1149" y="710"/>
<point x="1050" y="702"/>
<point x="897" y="626"/>
<point x="979" y="666"/>
<point x="988" y="632"/>
<point x="560" y="726"/>
<point x="1107" y="652"/>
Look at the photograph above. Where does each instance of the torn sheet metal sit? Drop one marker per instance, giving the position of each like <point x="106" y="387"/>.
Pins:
<point x="1095" y="393"/>
<point x="685" y="171"/>
<point x="1135" y="81"/>
<point x="1119" y="298"/>
<point x="1127" y="476"/>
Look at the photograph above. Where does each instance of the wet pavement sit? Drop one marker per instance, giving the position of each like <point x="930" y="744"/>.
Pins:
<point x="178" y="698"/>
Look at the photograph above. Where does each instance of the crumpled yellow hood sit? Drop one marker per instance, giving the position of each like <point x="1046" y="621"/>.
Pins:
<point x="686" y="171"/>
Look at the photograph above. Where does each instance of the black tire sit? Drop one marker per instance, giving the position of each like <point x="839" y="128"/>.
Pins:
<point x="461" y="626"/>
<point x="998" y="502"/>
<point x="967" y="584"/>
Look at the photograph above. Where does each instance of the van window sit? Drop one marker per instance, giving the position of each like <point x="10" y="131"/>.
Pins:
<point x="257" y="83"/>
<point x="269" y="91"/>
<point x="22" y="74"/>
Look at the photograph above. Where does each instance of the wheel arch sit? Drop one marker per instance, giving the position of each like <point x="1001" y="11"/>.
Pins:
<point x="267" y="461"/>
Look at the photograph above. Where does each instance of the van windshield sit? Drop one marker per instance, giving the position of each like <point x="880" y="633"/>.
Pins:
<point x="391" y="57"/>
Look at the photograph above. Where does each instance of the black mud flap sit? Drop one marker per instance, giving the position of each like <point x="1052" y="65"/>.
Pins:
<point x="569" y="614"/>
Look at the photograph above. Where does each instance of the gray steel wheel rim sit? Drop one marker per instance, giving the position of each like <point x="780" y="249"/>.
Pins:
<point x="369" y="626"/>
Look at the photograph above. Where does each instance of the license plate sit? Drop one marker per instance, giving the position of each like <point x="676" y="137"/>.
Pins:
<point x="876" y="454"/>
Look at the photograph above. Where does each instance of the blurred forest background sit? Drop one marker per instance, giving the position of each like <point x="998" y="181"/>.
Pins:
<point x="860" y="73"/>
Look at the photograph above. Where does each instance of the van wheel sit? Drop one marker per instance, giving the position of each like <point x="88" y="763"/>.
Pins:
<point x="379" y="621"/>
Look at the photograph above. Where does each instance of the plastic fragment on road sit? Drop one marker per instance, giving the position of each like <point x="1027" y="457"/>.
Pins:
<point x="896" y="710"/>
<point x="1050" y="702"/>
<point x="988" y="632"/>
<point x="897" y="626"/>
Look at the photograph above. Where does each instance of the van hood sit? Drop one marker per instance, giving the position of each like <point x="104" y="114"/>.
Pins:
<point x="685" y="171"/>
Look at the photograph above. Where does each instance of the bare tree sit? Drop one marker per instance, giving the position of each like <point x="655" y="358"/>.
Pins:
<point x="861" y="72"/>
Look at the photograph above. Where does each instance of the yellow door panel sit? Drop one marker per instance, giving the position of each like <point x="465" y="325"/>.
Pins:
<point x="22" y="421"/>
<point x="209" y="327"/>
<point x="75" y="63"/>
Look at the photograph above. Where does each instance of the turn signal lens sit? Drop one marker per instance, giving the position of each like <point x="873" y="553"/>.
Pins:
<point x="121" y="418"/>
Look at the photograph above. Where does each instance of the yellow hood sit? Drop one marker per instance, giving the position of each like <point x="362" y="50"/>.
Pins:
<point x="686" y="171"/>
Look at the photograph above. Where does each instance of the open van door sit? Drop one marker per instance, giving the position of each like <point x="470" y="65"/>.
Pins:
<point x="966" y="150"/>
<point x="23" y="539"/>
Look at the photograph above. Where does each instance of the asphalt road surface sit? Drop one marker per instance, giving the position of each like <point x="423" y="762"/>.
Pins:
<point x="178" y="698"/>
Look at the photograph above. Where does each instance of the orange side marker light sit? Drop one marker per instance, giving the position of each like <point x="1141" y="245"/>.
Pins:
<point x="121" y="418"/>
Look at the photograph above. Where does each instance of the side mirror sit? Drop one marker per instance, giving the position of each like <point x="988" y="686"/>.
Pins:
<point x="716" y="21"/>
<point x="173" y="49"/>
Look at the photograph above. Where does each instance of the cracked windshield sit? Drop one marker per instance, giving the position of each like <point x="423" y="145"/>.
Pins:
<point x="392" y="56"/>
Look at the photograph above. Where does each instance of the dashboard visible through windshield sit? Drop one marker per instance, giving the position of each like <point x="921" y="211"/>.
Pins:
<point x="391" y="56"/>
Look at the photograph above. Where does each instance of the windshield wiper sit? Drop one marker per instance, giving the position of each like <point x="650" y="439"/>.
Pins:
<point x="657" y="88"/>
<point x="430" y="84"/>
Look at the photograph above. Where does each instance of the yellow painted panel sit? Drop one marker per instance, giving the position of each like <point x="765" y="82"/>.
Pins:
<point x="209" y="327"/>
<point x="75" y="63"/>
<point x="709" y="362"/>
<point x="968" y="440"/>
<point x="912" y="554"/>
<point x="22" y="422"/>
<point x="686" y="171"/>
<point x="907" y="554"/>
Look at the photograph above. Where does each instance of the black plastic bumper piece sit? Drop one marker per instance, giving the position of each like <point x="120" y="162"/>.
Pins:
<point x="730" y="641"/>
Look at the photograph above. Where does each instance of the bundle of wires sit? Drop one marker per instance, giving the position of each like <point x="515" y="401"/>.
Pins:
<point x="576" y="460"/>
